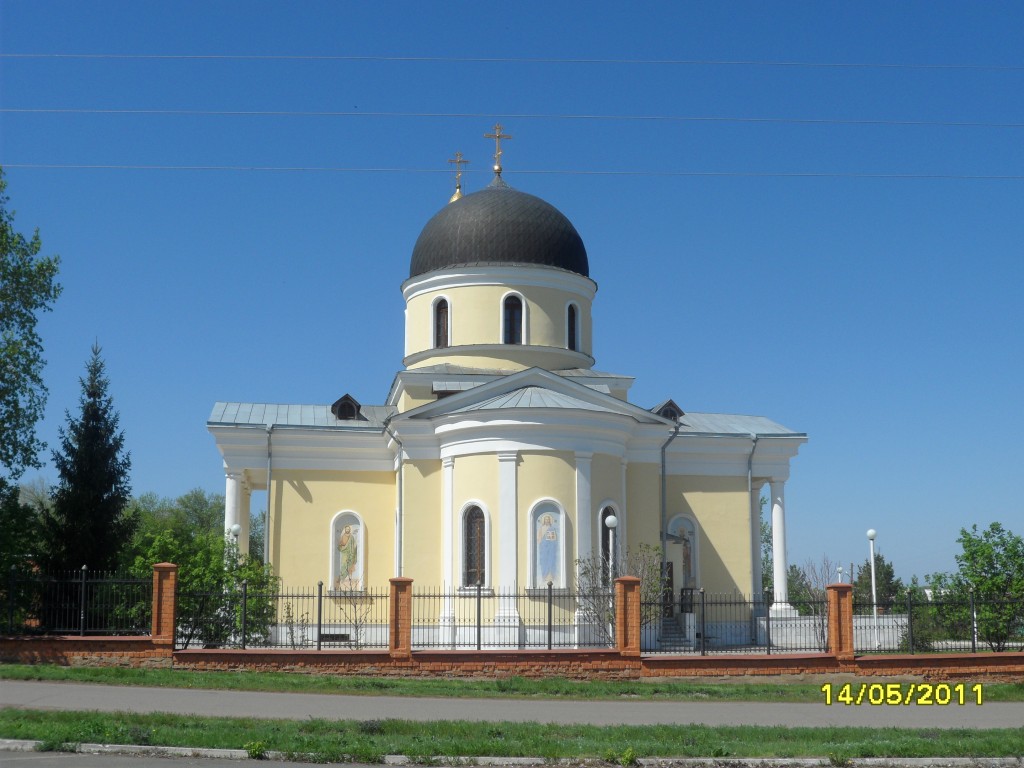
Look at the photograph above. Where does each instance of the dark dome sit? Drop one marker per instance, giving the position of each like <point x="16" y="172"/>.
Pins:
<point x="499" y="225"/>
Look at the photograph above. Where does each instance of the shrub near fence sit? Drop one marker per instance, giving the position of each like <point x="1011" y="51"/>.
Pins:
<point x="312" y="619"/>
<point x="918" y="625"/>
<point x="81" y="602"/>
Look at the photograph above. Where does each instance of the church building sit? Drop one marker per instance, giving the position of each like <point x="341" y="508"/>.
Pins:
<point x="500" y="456"/>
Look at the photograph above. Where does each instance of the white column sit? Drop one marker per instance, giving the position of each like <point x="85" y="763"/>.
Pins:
<point x="781" y="606"/>
<point x="508" y="581"/>
<point x="757" y="567"/>
<point x="447" y="524"/>
<point x="623" y="530"/>
<point x="244" y="511"/>
<point x="584" y="513"/>
<point x="232" y="496"/>
<point x="447" y="617"/>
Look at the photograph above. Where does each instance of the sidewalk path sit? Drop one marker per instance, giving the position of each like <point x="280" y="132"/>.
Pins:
<point x="300" y="706"/>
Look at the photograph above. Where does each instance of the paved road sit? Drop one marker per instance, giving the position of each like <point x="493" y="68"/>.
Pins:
<point x="298" y="706"/>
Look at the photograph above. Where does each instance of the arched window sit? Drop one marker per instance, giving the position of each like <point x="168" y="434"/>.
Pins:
<point x="441" y="324"/>
<point x="474" y="547"/>
<point x="512" y="320"/>
<point x="571" y="327"/>
<point x="548" y="542"/>
<point x="348" y="539"/>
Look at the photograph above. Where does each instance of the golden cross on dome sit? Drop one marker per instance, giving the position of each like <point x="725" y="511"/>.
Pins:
<point x="458" y="162"/>
<point x="497" y="136"/>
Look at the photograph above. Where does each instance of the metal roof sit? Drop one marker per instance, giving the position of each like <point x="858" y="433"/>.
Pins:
<point x="283" y="415"/>
<point x="732" y="424"/>
<point x="531" y="397"/>
<point x="499" y="225"/>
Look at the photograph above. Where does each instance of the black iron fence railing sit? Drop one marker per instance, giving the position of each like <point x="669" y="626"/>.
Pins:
<point x="314" y="619"/>
<point x="545" y="618"/>
<point x="918" y="625"/>
<point x="81" y="602"/>
<point x="706" y="623"/>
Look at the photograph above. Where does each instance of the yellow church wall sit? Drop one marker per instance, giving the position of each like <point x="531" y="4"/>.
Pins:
<point x="305" y="503"/>
<point x="546" y="475"/>
<point x="475" y="479"/>
<point x="475" y="316"/>
<point x="721" y="508"/>
<point x="423" y="509"/>
<point x="643" y="486"/>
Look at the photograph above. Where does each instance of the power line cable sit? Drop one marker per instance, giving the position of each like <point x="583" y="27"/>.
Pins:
<point x="515" y="60"/>
<point x="509" y="116"/>
<point x="527" y="172"/>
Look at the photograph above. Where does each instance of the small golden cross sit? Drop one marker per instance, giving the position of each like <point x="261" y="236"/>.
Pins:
<point x="458" y="162"/>
<point x="497" y="136"/>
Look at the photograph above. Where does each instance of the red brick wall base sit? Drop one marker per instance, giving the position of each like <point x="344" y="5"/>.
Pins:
<point x="577" y="665"/>
<point x="603" y="665"/>
<point x="70" y="651"/>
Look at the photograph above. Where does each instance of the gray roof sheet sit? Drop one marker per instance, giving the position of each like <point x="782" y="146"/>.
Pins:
<point x="732" y="424"/>
<point x="284" y="415"/>
<point x="531" y="397"/>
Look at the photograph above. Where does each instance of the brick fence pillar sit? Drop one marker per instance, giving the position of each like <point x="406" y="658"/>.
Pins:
<point x="840" y="620"/>
<point x="627" y="615"/>
<point x="165" y="603"/>
<point x="400" y="618"/>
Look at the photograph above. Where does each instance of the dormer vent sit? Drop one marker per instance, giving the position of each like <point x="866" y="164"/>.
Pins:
<point x="347" y="408"/>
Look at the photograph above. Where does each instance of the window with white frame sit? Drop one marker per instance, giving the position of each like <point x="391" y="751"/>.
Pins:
<point x="512" y="320"/>
<point x="572" y="327"/>
<point x="474" y="547"/>
<point x="441" y="324"/>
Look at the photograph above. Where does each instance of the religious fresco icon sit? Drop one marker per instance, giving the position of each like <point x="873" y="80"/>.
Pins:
<point x="348" y="561"/>
<point x="548" y="549"/>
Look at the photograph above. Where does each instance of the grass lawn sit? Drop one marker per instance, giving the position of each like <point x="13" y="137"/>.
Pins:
<point x="369" y="741"/>
<point x="550" y="688"/>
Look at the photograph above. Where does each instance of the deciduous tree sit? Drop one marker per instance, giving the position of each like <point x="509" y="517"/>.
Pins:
<point x="28" y="287"/>
<point x="992" y="568"/>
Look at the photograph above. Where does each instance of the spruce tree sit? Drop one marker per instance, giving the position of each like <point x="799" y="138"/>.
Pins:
<point x="89" y="523"/>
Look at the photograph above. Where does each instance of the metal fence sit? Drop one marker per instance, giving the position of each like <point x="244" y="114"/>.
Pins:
<point x="298" y="619"/>
<point x="918" y="625"/>
<point x="706" y="624"/>
<point x="81" y="602"/>
<point x="479" y="618"/>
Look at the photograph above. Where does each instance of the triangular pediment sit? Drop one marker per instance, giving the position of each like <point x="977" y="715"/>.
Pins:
<point x="532" y="389"/>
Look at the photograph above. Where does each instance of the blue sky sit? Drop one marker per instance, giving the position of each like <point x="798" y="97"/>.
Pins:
<point x="808" y="211"/>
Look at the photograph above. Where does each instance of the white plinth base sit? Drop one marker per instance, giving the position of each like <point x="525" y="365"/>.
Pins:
<point x="783" y="611"/>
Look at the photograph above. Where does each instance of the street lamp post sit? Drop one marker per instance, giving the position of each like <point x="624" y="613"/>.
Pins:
<point x="611" y="521"/>
<point x="872" y="533"/>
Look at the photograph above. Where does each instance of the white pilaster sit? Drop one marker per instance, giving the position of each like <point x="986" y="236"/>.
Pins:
<point x="508" y="581"/>
<point x="781" y="606"/>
